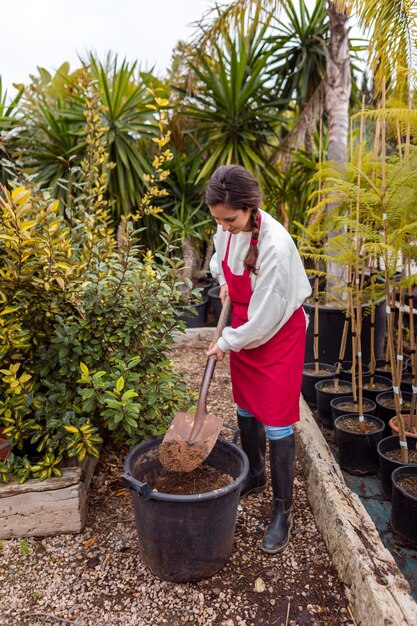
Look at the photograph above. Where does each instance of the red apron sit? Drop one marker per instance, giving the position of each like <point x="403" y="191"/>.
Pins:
<point x="266" y="381"/>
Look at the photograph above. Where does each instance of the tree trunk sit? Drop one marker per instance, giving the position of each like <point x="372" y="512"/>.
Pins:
<point x="191" y="262"/>
<point x="338" y="85"/>
<point x="338" y="89"/>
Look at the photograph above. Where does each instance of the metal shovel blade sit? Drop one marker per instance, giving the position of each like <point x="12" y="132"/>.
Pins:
<point x="176" y="454"/>
<point x="191" y="437"/>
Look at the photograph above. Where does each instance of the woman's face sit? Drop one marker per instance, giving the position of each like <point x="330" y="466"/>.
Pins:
<point x="233" y="220"/>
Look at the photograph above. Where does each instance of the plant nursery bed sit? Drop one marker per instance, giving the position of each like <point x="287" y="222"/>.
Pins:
<point x="49" y="507"/>
<point x="368" y="489"/>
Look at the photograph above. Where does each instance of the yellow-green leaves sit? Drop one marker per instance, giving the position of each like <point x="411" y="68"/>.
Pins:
<point x="84" y="369"/>
<point x="120" y="384"/>
<point x="15" y="384"/>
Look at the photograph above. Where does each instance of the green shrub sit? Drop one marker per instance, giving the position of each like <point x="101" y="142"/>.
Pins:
<point x="84" y="330"/>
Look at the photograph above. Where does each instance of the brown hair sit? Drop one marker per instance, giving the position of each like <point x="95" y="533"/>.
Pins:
<point x="236" y="188"/>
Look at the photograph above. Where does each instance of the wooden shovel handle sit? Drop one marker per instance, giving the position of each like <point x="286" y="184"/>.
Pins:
<point x="221" y="324"/>
<point x="208" y="374"/>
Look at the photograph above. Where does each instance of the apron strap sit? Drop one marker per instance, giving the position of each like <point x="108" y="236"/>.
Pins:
<point x="226" y="256"/>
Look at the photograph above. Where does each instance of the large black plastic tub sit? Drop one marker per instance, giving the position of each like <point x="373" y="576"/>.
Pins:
<point x="185" y="538"/>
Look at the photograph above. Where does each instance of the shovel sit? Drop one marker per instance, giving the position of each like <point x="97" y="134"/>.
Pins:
<point x="191" y="436"/>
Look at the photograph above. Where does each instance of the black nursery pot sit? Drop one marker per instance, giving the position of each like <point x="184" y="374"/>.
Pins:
<point x="387" y="465"/>
<point x="204" y="284"/>
<point x="373" y="393"/>
<point x="216" y="304"/>
<point x="380" y="371"/>
<point x="358" y="451"/>
<point x="407" y="382"/>
<point x="194" y="315"/>
<point x="404" y="506"/>
<point x="184" y="538"/>
<point x="346" y="370"/>
<point x="337" y="411"/>
<point x="385" y="412"/>
<point x="310" y="379"/>
<point x="331" y="323"/>
<point x="325" y="396"/>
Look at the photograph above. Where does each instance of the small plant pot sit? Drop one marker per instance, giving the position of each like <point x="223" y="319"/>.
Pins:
<point x="358" y="451"/>
<point x="194" y="315"/>
<point x="310" y="378"/>
<point x="325" y="394"/>
<point x="386" y="412"/>
<point x="382" y="383"/>
<point x="393" y="424"/>
<point x="387" y="465"/>
<point x="216" y="304"/>
<point x="337" y="410"/>
<point x="404" y="504"/>
<point x="346" y="370"/>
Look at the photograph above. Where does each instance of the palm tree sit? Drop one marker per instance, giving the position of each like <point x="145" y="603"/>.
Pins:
<point x="393" y="29"/>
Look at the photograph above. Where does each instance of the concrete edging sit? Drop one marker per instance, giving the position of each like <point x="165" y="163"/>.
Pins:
<point x="378" y="592"/>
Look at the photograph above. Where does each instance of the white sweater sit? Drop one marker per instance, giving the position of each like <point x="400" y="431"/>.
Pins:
<point x="279" y="288"/>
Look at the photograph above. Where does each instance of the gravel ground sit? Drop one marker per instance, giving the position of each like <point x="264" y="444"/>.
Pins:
<point x="98" y="578"/>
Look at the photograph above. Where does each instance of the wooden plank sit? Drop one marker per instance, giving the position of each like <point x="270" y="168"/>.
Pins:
<point x="53" y="506"/>
<point x="43" y="513"/>
<point x="70" y="476"/>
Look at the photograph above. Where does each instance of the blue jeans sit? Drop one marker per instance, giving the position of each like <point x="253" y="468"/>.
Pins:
<point x="272" y="432"/>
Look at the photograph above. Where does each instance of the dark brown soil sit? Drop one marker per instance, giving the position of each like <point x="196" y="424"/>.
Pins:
<point x="395" y="455"/>
<point x="349" y="407"/>
<point x="408" y="485"/>
<point x="352" y="424"/>
<point x="334" y="388"/>
<point x="320" y="372"/>
<point x="377" y="386"/>
<point x="201" y="480"/>
<point x="389" y="403"/>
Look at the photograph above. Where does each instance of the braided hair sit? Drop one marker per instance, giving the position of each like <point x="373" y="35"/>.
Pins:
<point x="235" y="187"/>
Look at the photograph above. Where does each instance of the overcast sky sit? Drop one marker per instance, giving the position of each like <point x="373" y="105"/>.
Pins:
<point x="48" y="32"/>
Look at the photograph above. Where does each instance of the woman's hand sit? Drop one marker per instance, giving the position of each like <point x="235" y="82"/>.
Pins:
<point x="214" y="349"/>
<point x="224" y="292"/>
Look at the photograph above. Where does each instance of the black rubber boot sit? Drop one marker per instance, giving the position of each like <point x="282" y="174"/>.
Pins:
<point x="282" y="462"/>
<point x="253" y="441"/>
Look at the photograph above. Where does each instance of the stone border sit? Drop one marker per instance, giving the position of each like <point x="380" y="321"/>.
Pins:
<point x="378" y="592"/>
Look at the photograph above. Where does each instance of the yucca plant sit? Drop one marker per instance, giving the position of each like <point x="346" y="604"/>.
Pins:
<point x="127" y="109"/>
<point x="50" y="142"/>
<point x="231" y="106"/>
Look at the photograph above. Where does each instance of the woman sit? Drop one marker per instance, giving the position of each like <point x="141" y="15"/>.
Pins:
<point x="257" y="264"/>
